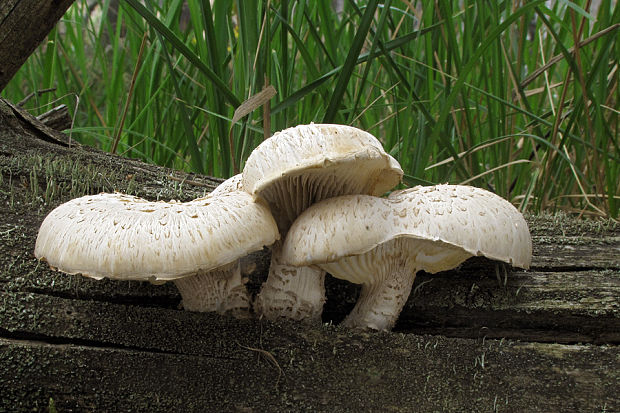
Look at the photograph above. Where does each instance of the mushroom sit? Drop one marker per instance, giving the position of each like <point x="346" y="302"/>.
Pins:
<point x="381" y="243"/>
<point x="196" y="244"/>
<point x="232" y="294"/>
<point x="296" y="168"/>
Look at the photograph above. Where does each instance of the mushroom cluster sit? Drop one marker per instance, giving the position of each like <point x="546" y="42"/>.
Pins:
<point x="313" y="194"/>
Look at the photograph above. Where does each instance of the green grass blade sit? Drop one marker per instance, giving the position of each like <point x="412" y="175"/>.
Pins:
<point x="350" y="62"/>
<point x="468" y="68"/>
<point x="184" y="50"/>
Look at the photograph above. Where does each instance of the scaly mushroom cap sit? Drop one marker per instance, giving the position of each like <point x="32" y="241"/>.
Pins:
<point x="382" y="242"/>
<point x="300" y="166"/>
<point x="125" y="237"/>
<point x="478" y="221"/>
<point x="445" y="224"/>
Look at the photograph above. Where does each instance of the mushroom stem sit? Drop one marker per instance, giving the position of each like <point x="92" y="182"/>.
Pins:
<point x="296" y="293"/>
<point x="386" y="276"/>
<point x="379" y="304"/>
<point x="221" y="290"/>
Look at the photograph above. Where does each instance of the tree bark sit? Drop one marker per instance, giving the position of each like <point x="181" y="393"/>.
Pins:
<point x="23" y="26"/>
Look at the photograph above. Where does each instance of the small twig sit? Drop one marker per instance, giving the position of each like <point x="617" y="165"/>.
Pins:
<point x="189" y="181"/>
<point x="419" y="286"/>
<point x="267" y="356"/>
<point x="32" y="94"/>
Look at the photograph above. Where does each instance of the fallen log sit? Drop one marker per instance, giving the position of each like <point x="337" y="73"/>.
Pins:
<point x="479" y="338"/>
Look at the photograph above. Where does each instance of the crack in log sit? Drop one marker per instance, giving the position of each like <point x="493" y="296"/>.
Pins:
<point x="168" y="302"/>
<point x="41" y="339"/>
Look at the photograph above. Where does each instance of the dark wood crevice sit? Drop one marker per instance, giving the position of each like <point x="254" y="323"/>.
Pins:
<point x="37" y="339"/>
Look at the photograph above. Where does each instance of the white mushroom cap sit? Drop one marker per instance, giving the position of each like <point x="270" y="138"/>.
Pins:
<point x="296" y="168"/>
<point x="305" y="164"/>
<point x="232" y="184"/>
<point x="125" y="237"/>
<point x="469" y="219"/>
<point x="478" y="221"/>
<point x="382" y="242"/>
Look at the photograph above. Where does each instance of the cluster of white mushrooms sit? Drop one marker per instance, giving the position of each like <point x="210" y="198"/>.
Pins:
<point x="313" y="194"/>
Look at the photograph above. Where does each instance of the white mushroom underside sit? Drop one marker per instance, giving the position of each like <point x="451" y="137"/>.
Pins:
<point x="387" y="274"/>
<point x="291" y="195"/>
<point x="413" y="254"/>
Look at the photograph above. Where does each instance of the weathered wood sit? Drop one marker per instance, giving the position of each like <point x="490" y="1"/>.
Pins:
<point x="23" y="26"/>
<point x="56" y="118"/>
<point x="45" y="160"/>
<point x="125" y="346"/>
<point x="589" y="252"/>
<point x="561" y="307"/>
<point x="318" y="369"/>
